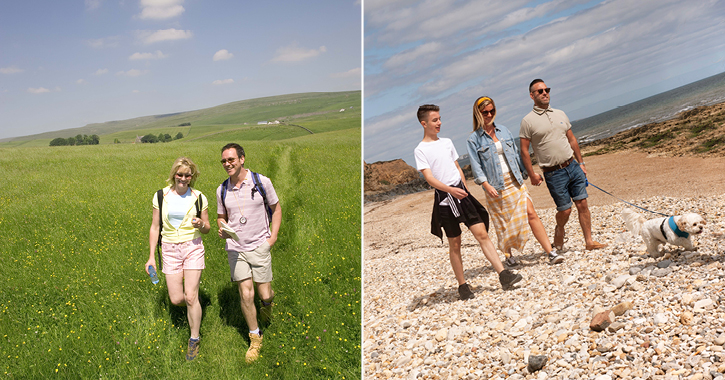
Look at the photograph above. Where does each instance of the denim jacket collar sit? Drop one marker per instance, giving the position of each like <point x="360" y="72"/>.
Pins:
<point x="482" y="131"/>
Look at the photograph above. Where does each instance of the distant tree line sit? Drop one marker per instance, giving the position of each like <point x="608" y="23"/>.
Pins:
<point x="78" y="140"/>
<point x="162" y="137"/>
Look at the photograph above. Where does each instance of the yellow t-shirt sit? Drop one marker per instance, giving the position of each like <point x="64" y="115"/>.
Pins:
<point x="186" y="231"/>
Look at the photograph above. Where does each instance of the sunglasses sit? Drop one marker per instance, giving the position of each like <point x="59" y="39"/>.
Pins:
<point x="541" y="90"/>
<point x="229" y="160"/>
<point x="491" y="112"/>
<point x="184" y="175"/>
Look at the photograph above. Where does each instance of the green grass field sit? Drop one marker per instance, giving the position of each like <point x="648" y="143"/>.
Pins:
<point x="76" y="303"/>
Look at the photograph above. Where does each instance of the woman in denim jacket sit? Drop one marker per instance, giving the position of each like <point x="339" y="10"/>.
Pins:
<point x="497" y="166"/>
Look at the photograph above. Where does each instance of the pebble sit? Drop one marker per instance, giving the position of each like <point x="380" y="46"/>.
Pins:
<point x="668" y="312"/>
<point x="720" y="340"/>
<point x="536" y="363"/>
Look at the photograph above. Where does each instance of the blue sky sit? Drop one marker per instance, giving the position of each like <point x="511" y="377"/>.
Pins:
<point x="595" y="55"/>
<point x="65" y="64"/>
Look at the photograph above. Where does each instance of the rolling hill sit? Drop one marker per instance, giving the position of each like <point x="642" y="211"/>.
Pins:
<point x="316" y="111"/>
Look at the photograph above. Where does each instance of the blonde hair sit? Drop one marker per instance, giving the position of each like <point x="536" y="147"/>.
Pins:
<point x="481" y="102"/>
<point x="185" y="163"/>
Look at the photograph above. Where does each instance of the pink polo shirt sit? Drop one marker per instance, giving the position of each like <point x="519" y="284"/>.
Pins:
<point x="239" y="201"/>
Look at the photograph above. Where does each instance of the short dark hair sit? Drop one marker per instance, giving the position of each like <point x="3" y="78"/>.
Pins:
<point x="425" y="109"/>
<point x="533" y="82"/>
<point x="235" y="146"/>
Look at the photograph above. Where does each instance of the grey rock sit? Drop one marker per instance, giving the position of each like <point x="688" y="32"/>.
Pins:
<point x="661" y="272"/>
<point x="664" y="264"/>
<point x="536" y="362"/>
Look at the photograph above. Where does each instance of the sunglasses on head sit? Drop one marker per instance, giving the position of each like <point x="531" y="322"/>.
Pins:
<point x="541" y="90"/>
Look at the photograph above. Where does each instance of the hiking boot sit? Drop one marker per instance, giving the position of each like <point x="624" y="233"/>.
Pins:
<point x="255" y="344"/>
<point x="193" y="349"/>
<point x="555" y="259"/>
<point x="508" y="279"/>
<point x="464" y="291"/>
<point x="511" y="261"/>
<point x="559" y="234"/>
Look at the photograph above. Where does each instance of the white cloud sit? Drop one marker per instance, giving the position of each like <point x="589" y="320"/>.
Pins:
<point x="293" y="53"/>
<point x="222" y="55"/>
<point x="142" y="56"/>
<point x="149" y="37"/>
<point x="430" y="52"/>
<point x="135" y="91"/>
<point x="39" y="90"/>
<point x="93" y="4"/>
<point x="10" y="70"/>
<point x="160" y="9"/>
<point x="132" y="73"/>
<point x="106" y="42"/>
<point x="353" y="73"/>
<point x="223" y="81"/>
<point x="412" y="55"/>
<point x="81" y="81"/>
<point x="101" y="72"/>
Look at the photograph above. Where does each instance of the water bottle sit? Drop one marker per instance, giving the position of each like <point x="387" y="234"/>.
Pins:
<point x="152" y="274"/>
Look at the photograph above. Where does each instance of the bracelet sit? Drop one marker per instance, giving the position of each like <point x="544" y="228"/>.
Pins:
<point x="581" y="163"/>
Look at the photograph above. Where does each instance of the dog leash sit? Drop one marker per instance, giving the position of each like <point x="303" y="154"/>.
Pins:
<point x="634" y="205"/>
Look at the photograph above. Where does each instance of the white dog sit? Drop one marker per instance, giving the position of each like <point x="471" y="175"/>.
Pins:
<point x="675" y="230"/>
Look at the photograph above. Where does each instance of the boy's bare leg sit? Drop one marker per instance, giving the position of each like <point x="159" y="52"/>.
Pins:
<point x="454" y="251"/>
<point x="479" y="232"/>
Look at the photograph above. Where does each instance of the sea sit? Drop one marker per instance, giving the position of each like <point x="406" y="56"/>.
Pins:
<point x="657" y="108"/>
<point x="654" y="109"/>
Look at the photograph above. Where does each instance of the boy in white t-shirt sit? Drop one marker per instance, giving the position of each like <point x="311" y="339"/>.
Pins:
<point x="436" y="158"/>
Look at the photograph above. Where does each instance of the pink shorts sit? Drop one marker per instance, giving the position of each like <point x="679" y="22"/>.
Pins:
<point x="180" y="256"/>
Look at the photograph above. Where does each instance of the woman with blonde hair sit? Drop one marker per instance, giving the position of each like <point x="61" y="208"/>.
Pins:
<point x="497" y="167"/>
<point x="183" y="213"/>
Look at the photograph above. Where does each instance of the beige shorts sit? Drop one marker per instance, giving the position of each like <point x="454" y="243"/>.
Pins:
<point x="255" y="264"/>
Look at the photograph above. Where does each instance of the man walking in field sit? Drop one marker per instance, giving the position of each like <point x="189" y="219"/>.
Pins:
<point x="243" y="220"/>
<point x="557" y="150"/>
<point x="436" y="158"/>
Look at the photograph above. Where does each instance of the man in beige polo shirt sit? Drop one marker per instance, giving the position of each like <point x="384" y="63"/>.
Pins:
<point x="548" y="130"/>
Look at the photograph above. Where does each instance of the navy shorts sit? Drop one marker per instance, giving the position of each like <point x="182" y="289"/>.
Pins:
<point x="567" y="184"/>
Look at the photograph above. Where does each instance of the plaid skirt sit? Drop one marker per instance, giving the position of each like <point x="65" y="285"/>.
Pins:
<point x="508" y="212"/>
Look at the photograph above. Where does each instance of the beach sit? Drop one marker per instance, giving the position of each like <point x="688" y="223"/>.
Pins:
<point x="416" y="327"/>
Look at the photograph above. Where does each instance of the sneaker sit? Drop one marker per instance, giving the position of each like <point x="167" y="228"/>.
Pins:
<point x="511" y="261"/>
<point x="555" y="259"/>
<point x="255" y="344"/>
<point x="464" y="291"/>
<point x="508" y="279"/>
<point x="193" y="350"/>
